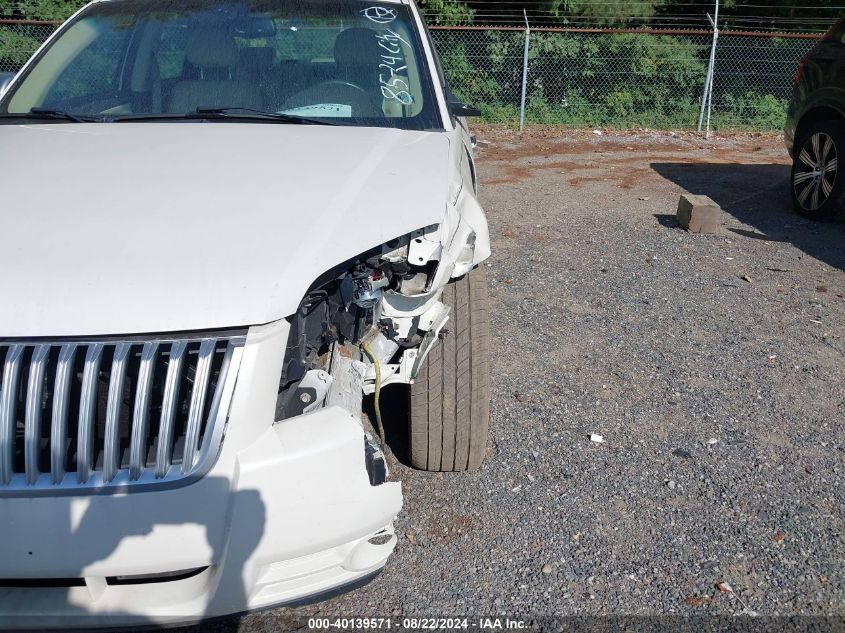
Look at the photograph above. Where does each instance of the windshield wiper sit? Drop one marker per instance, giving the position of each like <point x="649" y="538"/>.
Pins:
<point x="234" y="113"/>
<point x="52" y="114"/>
<point x="250" y="112"/>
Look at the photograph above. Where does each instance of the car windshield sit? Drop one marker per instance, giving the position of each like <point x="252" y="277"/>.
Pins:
<point x="354" y="63"/>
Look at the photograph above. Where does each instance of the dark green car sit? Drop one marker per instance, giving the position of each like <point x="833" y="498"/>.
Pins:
<point x="815" y="128"/>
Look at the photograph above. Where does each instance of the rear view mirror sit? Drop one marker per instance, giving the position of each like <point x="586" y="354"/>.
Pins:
<point x="456" y="107"/>
<point x="459" y="109"/>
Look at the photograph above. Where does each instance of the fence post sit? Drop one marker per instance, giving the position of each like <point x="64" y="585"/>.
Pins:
<point x="524" y="72"/>
<point x="707" y="95"/>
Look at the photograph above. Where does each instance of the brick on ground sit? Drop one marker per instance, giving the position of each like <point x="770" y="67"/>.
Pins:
<point x="698" y="214"/>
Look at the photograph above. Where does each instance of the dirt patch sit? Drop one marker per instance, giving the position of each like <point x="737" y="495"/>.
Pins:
<point x="621" y="160"/>
<point x="449" y="526"/>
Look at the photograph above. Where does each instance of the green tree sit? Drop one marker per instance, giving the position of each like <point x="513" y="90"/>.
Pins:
<point x="446" y="12"/>
<point x="612" y="13"/>
<point x="51" y="10"/>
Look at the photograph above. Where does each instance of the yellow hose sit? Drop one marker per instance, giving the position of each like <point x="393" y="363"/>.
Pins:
<point x="372" y="357"/>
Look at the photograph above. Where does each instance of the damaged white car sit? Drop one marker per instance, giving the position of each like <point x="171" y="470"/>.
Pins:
<point x="226" y="224"/>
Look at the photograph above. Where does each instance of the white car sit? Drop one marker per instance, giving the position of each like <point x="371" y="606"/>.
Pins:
<point x="224" y="225"/>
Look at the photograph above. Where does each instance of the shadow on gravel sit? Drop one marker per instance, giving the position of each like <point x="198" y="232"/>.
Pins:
<point x="758" y="195"/>
<point x="394" y="415"/>
<point x="667" y="220"/>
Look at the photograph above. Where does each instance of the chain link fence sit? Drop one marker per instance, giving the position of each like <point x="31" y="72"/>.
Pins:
<point x="612" y="78"/>
<point x="752" y="79"/>
<point x="19" y="39"/>
<point x="622" y="78"/>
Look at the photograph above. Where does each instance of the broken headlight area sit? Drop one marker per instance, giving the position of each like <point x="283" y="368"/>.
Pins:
<point x="363" y="325"/>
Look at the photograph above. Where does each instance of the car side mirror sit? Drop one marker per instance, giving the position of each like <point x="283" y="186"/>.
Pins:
<point x="5" y="80"/>
<point x="459" y="109"/>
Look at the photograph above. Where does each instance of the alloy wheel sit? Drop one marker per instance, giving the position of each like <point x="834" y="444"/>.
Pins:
<point x="815" y="172"/>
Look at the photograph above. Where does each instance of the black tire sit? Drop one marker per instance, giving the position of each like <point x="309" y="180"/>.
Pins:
<point x="449" y="403"/>
<point x="817" y="184"/>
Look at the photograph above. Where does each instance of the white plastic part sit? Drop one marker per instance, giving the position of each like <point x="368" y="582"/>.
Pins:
<point x="367" y="555"/>
<point x="425" y="245"/>
<point x="318" y="380"/>
<point x="433" y="321"/>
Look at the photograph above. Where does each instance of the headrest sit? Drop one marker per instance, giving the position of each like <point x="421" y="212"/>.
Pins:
<point x="211" y="48"/>
<point x="356" y="46"/>
<point x="257" y="57"/>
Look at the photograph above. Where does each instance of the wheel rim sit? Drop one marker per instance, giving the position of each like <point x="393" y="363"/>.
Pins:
<point x="815" y="171"/>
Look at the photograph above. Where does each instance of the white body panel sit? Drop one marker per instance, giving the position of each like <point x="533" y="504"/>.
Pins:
<point x="160" y="227"/>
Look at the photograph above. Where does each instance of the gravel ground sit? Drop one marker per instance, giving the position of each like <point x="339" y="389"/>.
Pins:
<point x="712" y="366"/>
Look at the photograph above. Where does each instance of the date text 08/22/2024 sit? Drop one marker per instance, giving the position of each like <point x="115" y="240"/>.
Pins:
<point x="417" y="624"/>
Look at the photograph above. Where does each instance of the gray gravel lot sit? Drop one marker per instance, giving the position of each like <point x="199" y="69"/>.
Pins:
<point x="712" y="365"/>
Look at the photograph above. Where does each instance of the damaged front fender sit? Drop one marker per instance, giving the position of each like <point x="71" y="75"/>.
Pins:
<point x="387" y="299"/>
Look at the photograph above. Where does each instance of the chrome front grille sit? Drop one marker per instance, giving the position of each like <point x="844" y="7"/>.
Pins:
<point x="110" y="414"/>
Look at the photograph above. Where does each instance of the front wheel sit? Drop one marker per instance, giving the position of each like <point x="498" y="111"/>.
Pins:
<point x="818" y="187"/>
<point x="449" y="403"/>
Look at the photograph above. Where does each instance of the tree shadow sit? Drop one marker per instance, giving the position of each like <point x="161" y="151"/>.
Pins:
<point x="758" y="195"/>
<point x="66" y="543"/>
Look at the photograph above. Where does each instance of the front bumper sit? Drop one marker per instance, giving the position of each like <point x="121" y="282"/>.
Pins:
<point x="287" y="512"/>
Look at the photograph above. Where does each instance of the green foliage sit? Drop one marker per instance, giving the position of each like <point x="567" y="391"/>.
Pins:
<point x="611" y="13"/>
<point x="489" y="74"/>
<point x="18" y="43"/>
<point x="751" y="110"/>
<point x="614" y="13"/>
<point x="618" y="77"/>
<point x="58" y="10"/>
<point x="622" y="80"/>
<point x="446" y="12"/>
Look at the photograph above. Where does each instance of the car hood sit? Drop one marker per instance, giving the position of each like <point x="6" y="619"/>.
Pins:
<point x="158" y="227"/>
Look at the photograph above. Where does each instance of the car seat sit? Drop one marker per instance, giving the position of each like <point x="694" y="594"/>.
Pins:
<point x="213" y="53"/>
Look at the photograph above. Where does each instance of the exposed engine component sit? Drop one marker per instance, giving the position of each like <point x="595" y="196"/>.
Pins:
<point x="313" y="388"/>
<point x="345" y="307"/>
